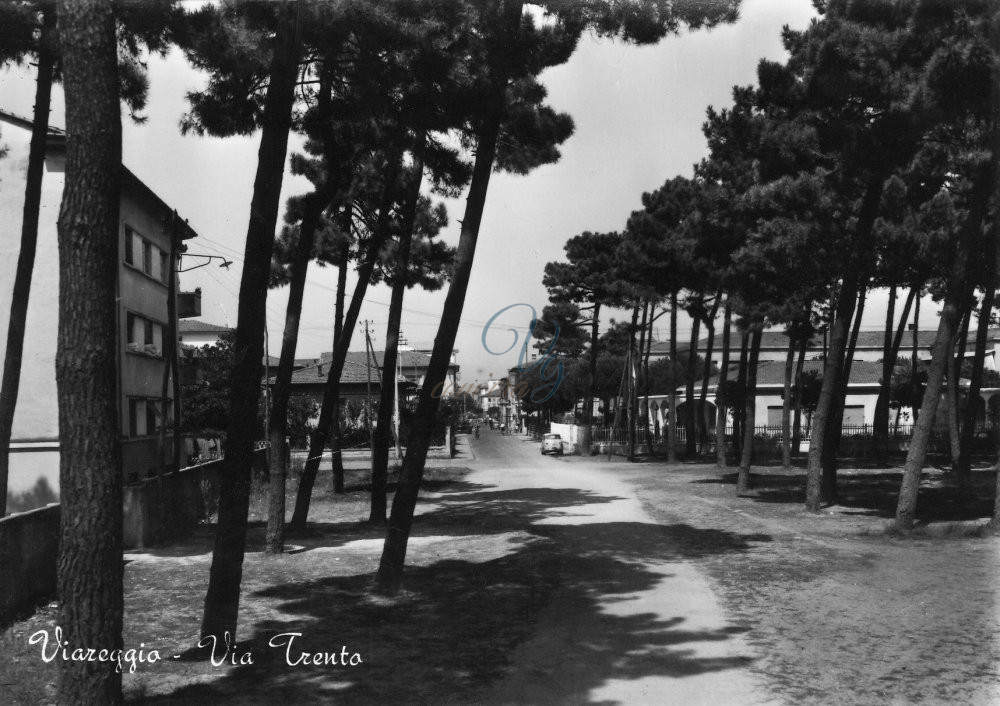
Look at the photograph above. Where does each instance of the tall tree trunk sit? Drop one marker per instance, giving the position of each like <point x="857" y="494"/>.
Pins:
<point x="390" y="569"/>
<point x="954" y="379"/>
<point x="786" y="406"/>
<point x="835" y="426"/>
<point x="944" y="341"/>
<point x="643" y="324"/>
<point x="707" y="369"/>
<point x="640" y="371"/>
<point x="89" y="573"/>
<point x="964" y="469"/>
<point x="826" y="408"/>
<point x="645" y="374"/>
<point x="223" y="597"/>
<point x="383" y="432"/>
<point x="632" y="399"/>
<point x="739" y="411"/>
<point x="29" y="239"/>
<point x="914" y="359"/>
<point x="588" y="399"/>
<point x="275" y="537"/>
<point x="331" y="392"/>
<point x="880" y="419"/>
<point x="993" y="527"/>
<point x="690" y="413"/>
<point x="797" y="423"/>
<point x="743" y="481"/>
<point x="672" y="393"/>
<point x="833" y="366"/>
<point x="720" y="416"/>
<point x="336" y="456"/>
<point x="889" y="355"/>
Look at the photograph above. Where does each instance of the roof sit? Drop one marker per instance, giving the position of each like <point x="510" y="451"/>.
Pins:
<point x="682" y="346"/>
<point x="772" y="372"/>
<point x="56" y="137"/>
<point x="195" y="326"/>
<point x="142" y="192"/>
<point x="407" y="359"/>
<point x="778" y="340"/>
<point x="317" y="374"/>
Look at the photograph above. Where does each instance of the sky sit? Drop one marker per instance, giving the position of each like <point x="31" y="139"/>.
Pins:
<point x="638" y="113"/>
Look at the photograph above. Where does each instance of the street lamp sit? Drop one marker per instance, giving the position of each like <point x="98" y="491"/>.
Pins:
<point x="208" y="258"/>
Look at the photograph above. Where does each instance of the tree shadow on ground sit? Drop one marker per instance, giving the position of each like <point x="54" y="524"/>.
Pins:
<point x="876" y="494"/>
<point x="317" y="533"/>
<point x="499" y="510"/>
<point x="457" y="625"/>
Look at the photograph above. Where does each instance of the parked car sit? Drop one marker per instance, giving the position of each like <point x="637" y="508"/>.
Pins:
<point x="552" y="443"/>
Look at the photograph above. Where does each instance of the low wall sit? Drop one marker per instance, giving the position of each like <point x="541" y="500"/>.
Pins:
<point x="170" y="506"/>
<point x="569" y="433"/>
<point x="29" y="550"/>
<point x="155" y="511"/>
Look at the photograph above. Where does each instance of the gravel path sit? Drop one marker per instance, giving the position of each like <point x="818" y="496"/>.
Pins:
<point x="647" y="629"/>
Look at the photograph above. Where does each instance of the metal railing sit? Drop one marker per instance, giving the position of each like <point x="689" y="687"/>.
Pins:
<point x="984" y="433"/>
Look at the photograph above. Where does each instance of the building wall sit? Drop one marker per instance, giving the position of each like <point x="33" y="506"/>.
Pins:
<point x="39" y="419"/>
<point x="34" y="439"/>
<point x="859" y="407"/>
<point x="36" y="427"/>
<point x="145" y="239"/>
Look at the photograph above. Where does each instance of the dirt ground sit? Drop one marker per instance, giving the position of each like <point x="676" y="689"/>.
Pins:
<point x="839" y="610"/>
<point x="540" y="580"/>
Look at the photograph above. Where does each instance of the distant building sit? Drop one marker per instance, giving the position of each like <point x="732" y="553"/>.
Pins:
<point x="774" y="346"/>
<point x="147" y="225"/>
<point x="357" y="381"/>
<point x="863" y="387"/>
<point x="413" y="364"/>
<point x="192" y="332"/>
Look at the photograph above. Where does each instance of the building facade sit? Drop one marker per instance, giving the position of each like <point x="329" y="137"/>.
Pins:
<point x="150" y="239"/>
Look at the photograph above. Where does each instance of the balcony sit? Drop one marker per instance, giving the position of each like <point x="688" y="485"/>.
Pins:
<point x="189" y="304"/>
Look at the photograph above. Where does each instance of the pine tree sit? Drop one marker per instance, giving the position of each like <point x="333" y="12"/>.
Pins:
<point x="513" y="52"/>
<point x="274" y="118"/>
<point x="90" y="475"/>
<point x="588" y="282"/>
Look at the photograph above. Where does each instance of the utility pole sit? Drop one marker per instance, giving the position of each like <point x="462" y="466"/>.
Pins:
<point x="395" y="401"/>
<point x="267" y="383"/>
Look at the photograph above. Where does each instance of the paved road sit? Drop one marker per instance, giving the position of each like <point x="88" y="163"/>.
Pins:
<point x="632" y="621"/>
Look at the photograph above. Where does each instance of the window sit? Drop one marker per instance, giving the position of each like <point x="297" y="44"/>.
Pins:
<point x="133" y="415"/>
<point x="854" y="415"/>
<point x="143" y="255"/>
<point x="130" y="246"/>
<point x="152" y="417"/>
<point x="143" y="335"/>
<point x="144" y="417"/>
